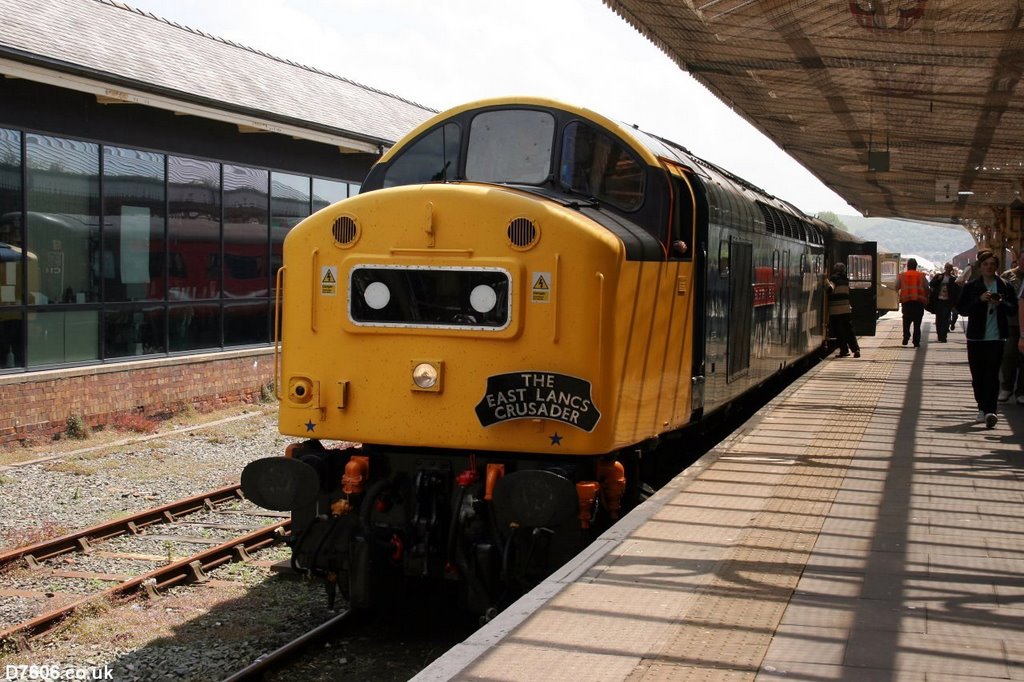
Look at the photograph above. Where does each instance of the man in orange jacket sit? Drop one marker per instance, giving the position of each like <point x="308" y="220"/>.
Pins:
<point x="913" y="289"/>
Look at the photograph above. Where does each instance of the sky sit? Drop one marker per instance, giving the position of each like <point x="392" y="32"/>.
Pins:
<point x="444" y="53"/>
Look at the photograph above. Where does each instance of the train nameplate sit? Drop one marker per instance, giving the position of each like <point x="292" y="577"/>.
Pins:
<point x="538" y="395"/>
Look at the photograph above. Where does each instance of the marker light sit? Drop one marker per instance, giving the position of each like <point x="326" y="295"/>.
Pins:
<point x="377" y="295"/>
<point x="424" y="375"/>
<point x="483" y="298"/>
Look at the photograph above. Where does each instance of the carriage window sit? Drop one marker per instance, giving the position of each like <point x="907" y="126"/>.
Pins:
<point x="512" y="145"/>
<point x="600" y="167"/>
<point x="432" y="158"/>
<point x="859" y="269"/>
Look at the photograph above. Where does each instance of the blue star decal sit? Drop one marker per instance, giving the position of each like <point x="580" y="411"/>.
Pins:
<point x="310" y="426"/>
<point x="555" y="439"/>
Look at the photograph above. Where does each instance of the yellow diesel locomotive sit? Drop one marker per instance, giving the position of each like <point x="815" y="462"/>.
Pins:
<point x="522" y="300"/>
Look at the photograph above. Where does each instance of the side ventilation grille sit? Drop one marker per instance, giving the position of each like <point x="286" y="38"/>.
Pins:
<point x="522" y="233"/>
<point x="345" y="231"/>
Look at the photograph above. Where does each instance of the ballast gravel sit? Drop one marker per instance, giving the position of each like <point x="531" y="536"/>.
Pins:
<point x="195" y="632"/>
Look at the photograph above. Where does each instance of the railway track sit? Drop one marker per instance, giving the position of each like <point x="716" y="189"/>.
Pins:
<point x="284" y="653"/>
<point x="172" y="526"/>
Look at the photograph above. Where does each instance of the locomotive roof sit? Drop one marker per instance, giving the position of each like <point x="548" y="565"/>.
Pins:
<point x="651" y="148"/>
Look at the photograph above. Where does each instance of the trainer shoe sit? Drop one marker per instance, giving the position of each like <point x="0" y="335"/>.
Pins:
<point x="856" y="354"/>
<point x="980" y="418"/>
<point x="990" y="420"/>
<point x="1004" y="395"/>
<point x="1020" y="400"/>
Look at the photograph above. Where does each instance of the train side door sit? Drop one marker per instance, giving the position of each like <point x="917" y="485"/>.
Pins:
<point x="741" y="306"/>
<point x="861" y="260"/>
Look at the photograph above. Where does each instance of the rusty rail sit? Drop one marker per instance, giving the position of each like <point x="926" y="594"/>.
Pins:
<point x="79" y="540"/>
<point x="192" y="567"/>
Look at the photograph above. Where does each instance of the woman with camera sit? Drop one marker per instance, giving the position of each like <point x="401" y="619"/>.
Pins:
<point x="985" y="302"/>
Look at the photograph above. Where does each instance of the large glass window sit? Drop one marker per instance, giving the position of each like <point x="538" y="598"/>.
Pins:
<point x="246" y="323"/>
<point x="512" y="145"/>
<point x="246" y="232"/>
<point x="12" y="317"/>
<point x="183" y="260"/>
<point x="57" y="337"/>
<point x="595" y="165"/>
<point x="327" y="192"/>
<point x="432" y="158"/>
<point x="133" y="225"/>
<point x="133" y="330"/>
<point x="193" y="326"/>
<point x="289" y="199"/>
<point x="193" y="229"/>
<point x="289" y="203"/>
<point x="63" y="217"/>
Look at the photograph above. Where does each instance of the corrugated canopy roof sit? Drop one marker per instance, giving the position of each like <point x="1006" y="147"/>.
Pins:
<point x="124" y="54"/>
<point x="908" y="108"/>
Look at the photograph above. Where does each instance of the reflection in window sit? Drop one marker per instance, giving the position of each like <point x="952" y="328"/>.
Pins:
<point x="513" y="145"/>
<point x="193" y="229"/>
<point x="193" y="326"/>
<point x="327" y="192"/>
<point x="289" y="199"/>
<point x="63" y="218"/>
<point x="11" y="252"/>
<point x="246" y="323"/>
<point x="131" y="291"/>
<point x="432" y="158"/>
<point x="595" y="165"/>
<point x="136" y="330"/>
<point x="246" y="226"/>
<point x="133" y="230"/>
<point x="289" y="203"/>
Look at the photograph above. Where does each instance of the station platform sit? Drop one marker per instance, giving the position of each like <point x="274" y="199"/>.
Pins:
<point x="860" y="527"/>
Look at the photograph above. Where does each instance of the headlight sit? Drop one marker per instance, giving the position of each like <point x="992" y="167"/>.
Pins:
<point x="483" y="298"/>
<point x="377" y="295"/>
<point x="424" y="375"/>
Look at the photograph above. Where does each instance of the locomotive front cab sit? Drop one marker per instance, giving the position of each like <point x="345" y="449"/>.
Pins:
<point x="471" y="319"/>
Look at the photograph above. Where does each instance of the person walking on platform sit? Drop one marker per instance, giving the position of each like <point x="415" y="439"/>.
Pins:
<point x="1011" y="373"/>
<point x="943" y="295"/>
<point x="913" y="289"/>
<point x="839" y="312"/>
<point x="952" y="306"/>
<point x="985" y="303"/>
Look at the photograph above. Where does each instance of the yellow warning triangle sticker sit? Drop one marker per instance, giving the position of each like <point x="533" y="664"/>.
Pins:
<point x="540" y="283"/>
<point x="328" y="278"/>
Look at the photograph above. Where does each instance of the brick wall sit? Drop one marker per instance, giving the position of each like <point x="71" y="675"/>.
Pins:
<point x="36" y="405"/>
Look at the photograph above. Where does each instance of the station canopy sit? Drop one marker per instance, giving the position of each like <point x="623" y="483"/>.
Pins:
<point x="905" y="108"/>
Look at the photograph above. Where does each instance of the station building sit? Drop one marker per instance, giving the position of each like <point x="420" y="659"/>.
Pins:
<point x="148" y="176"/>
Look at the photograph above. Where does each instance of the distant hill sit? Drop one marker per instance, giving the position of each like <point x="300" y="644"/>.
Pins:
<point x="934" y="241"/>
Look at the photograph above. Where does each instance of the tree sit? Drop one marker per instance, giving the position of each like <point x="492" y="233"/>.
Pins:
<point x="831" y="218"/>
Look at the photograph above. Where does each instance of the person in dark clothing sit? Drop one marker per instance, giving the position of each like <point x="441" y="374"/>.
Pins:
<point x="839" y="312"/>
<point x="1011" y="375"/>
<point x="985" y="303"/>
<point x="943" y="297"/>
